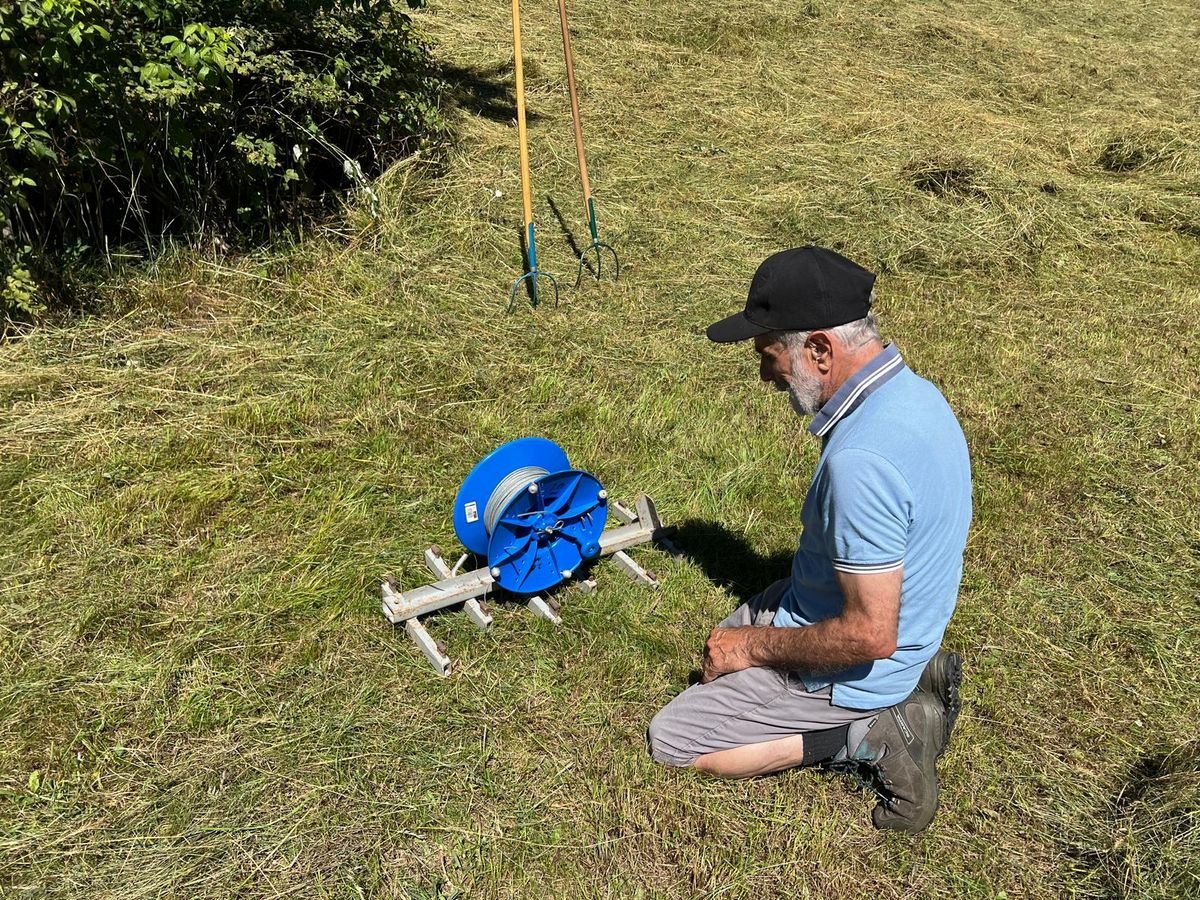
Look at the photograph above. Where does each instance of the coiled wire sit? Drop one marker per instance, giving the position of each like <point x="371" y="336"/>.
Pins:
<point x="511" y="485"/>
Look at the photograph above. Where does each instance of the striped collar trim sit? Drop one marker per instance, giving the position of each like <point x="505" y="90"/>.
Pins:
<point x="871" y="377"/>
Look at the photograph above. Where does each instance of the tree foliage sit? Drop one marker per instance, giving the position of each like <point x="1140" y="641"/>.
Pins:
<point x="123" y="122"/>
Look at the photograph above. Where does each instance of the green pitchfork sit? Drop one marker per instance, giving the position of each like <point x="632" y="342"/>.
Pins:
<point x="589" y="205"/>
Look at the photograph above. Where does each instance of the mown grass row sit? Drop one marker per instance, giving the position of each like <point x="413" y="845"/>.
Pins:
<point x="198" y="695"/>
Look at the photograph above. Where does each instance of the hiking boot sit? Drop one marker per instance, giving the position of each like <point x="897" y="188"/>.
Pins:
<point x="896" y="760"/>
<point x="942" y="678"/>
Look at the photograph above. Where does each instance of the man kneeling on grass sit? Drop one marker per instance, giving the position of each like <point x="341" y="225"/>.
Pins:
<point x="840" y="663"/>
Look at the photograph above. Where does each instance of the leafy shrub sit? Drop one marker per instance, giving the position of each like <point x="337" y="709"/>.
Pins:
<point x="123" y="122"/>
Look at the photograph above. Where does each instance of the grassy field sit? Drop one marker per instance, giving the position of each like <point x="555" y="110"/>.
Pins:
<point x="201" y="489"/>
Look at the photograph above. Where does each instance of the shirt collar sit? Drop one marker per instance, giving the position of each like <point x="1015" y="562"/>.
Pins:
<point x="871" y="377"/>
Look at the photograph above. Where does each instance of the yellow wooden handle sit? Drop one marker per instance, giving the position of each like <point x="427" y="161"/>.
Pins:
<point x="526" y="194"/>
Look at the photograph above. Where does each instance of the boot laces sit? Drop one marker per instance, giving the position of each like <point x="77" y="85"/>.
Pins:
<point x="866" y="775"/>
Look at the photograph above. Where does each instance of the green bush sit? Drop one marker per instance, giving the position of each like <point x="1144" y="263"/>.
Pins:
<point x="125" y="122"/>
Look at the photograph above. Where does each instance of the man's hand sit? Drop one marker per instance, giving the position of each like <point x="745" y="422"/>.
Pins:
<point x="727" y="650"/>
<point x="864" y="631"/>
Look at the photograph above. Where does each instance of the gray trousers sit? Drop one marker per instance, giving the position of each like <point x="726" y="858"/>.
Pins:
<point x="747" y="707"/>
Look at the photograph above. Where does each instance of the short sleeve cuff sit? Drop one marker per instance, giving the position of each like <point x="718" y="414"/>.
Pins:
<point x="861" y="568"/>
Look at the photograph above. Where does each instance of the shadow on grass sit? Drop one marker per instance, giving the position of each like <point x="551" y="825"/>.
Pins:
<point x="569" y="236"/>
<point x="484" y="91"/>
<point x="1158" y="850"/>
<point x="728" y="559"/>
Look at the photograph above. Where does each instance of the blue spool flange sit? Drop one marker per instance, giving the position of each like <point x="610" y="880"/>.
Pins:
<point x="534" y="517"/>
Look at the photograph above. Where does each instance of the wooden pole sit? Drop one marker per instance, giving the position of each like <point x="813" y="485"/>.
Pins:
<point x="583" y="172"/>
<point x="526" y="191"/>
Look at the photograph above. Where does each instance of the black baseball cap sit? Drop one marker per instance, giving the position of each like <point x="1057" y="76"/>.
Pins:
<point x="801" y="289"/>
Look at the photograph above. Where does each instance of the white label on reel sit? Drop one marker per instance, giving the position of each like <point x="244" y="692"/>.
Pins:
<point x="472" y="512"/>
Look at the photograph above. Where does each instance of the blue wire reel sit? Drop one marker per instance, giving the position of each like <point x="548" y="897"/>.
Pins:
<point x="534" y="517"/>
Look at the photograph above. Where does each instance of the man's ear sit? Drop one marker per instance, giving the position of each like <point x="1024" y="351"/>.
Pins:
<point x="821" y="348"/>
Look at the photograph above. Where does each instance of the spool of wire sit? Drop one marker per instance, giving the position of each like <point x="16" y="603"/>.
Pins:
<point x="506" y="491"/>
<point x="534" y="517"/>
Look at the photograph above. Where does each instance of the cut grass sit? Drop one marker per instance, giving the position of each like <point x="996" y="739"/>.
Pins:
<point x="198" y="696"/>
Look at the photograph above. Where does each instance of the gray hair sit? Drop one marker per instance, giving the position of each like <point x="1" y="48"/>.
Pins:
<point x="852" y="334"/>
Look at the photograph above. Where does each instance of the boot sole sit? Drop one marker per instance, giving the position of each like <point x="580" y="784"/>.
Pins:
<point x="945" y="678"/>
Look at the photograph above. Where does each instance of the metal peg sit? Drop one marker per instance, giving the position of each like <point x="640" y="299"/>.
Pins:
<point x="633" y="570"/>
<point x="428" y="646"/>
<point x="541" y="609"/>
<point x="477" y="614"/>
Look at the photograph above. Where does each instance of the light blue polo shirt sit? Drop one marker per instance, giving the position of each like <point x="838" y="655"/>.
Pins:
<point x="892" y="489"/>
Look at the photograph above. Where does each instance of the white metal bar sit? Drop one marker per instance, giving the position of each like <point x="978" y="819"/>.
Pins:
<point x="648" y="512"/>
<point x="622" y="512"/>
<point x="439" y="660"/>
<point x="633" y="570"/>
<point x="642" y="529"/>
<point x="626" y="536"/>
<point x="477" y="614"/>
<point x="437" y="565"/>
<point x="430" y="597"/>
<point x="541" y="608"/>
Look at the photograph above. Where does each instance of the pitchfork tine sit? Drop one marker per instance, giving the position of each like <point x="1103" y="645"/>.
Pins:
<point x="532" y="278"/>
<point x="598" y="247"/>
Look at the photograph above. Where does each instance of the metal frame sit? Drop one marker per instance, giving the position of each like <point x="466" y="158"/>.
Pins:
<point x="640" y="525"/>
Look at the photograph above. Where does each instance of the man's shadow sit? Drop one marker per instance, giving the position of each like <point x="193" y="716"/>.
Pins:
<point x="729" y="560"/>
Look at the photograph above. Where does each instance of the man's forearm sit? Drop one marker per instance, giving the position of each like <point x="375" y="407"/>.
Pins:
<point x="828" y="646"/>
<point x="865" y="630"/>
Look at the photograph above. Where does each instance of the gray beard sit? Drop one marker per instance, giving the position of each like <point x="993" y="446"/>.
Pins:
<point x="804" y="392"/>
